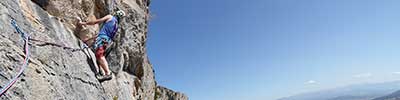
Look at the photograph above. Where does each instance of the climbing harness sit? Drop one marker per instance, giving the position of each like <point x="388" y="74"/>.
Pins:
<point x="24" y="65"/>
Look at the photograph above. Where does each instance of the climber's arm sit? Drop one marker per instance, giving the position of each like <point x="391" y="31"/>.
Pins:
<point x="105" y="18"/>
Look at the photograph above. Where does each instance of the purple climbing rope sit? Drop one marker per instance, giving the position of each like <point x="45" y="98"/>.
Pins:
<point x="24" y="65"/>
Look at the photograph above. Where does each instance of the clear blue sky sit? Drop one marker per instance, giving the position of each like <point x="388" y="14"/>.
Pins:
<point x="265" y="49"/>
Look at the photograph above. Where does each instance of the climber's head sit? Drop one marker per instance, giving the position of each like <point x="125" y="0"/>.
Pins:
<point x="119" y="14"/>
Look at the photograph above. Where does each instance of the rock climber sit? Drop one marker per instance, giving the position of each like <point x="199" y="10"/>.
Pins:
<point x="105" y="36"/>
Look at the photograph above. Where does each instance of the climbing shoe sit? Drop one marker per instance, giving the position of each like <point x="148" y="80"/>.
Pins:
<point x="104" y="77"/>
<point x="98" y="76"/>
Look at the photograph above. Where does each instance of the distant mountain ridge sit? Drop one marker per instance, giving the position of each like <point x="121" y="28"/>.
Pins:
<point x="352" y="92"/>
<point x="393" y="96"/>
<point x="350" y="97"/>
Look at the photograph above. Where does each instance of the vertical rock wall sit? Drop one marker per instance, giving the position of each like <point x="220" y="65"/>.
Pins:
<point x="57" y="73"/>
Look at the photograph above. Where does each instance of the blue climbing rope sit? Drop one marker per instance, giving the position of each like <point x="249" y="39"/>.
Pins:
<point x="24" y="65"/>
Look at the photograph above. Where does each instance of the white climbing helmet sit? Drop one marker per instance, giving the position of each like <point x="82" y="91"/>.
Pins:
<point x="120" y="13"/>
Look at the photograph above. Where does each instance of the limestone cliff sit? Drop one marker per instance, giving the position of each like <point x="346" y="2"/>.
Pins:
<point x="55" y="73"/>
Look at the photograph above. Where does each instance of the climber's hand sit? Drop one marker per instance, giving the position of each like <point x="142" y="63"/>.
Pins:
<point x="82" y="23"/>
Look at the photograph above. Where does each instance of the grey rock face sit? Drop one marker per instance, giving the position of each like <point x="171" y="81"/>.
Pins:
<point x="55" y="73"/>
<point x="163" y="93"/>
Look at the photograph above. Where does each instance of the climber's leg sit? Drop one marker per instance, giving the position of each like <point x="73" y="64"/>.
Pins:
<point x="100" y="46"/>
<point x="102" y="60"/>
<point x="103" y="64"/>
